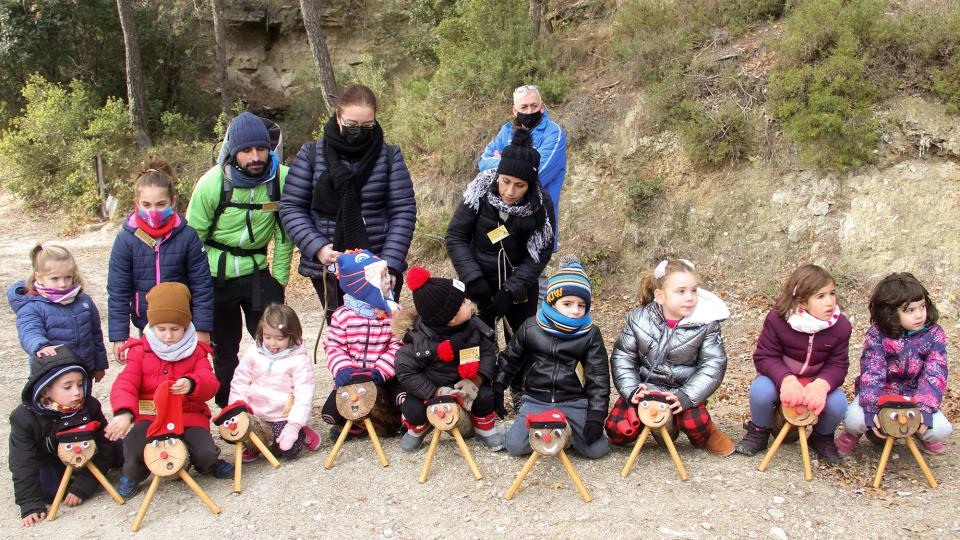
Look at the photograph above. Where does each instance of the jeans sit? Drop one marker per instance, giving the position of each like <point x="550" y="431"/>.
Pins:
<point x="765" y="397"/>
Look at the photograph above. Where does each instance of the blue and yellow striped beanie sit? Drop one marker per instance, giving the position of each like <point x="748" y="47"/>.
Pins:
<point x="569" y="280"/>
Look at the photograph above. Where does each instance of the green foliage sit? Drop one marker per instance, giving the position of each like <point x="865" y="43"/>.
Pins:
<point x="411" y="118"/>
<point x="425" y="16"/>
<point x="718" y="136"/>
<point x="642" y="191"/>
<point x="945" y="83"/>
<point x="179" y="127"/>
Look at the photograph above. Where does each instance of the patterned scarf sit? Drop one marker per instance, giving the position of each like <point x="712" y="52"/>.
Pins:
<point x="557" y="324"/>
<point x="803" y="321"/>
<point x="58" y="296"/>
<point x="148" y="223"/>
<point x="62" y="409"/>
<point x="177" y="351"/>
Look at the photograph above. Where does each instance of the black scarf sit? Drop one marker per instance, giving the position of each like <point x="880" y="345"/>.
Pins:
<point x="343" y="187"/>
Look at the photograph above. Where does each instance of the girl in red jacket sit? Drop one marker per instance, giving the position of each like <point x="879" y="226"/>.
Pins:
<point x="168" y="351"/>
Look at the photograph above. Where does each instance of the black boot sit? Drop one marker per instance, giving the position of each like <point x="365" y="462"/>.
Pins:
<point x="755" y="440"/>
<point x="825" y="447"/>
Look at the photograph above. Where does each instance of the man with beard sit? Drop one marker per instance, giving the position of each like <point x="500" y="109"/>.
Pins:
<point x="234" y="210"/>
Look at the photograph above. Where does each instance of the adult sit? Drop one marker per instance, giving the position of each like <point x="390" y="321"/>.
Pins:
<point x="501" y="236"/>
<point x="349" y="190"/>
<point x="549" y="139"/>
<point x="234" y="210"/>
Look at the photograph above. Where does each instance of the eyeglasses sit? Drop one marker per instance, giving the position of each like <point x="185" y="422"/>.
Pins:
<point x="525" y="89"/>
<point x="352" y="124"/>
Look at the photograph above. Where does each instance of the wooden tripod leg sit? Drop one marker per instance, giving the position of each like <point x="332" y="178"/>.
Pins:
<point x="337" y="445"/>
<point x="264" y="450"/>
<point x="95" y="471"/>
<point x="912" y="445"/>
<point x="884" y="456"/>
<point x="636" y="451"/>
<point x="432" y="451"/>
<point x="572" y="473"/>
<point x="668" y="440"/>
<point x="805" y="454"/>
<point x="376" y="442"/>
<point x="523" y="474"/>
<point x="774" y="447"/>
<point x="237" y="466"/>
<point x="142" y="513"/>
<point x="466" y="453"/>
<point x="198" y="491"/>
<point x="61" y="493"/>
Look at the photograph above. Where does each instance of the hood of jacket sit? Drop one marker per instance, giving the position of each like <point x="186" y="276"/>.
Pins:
<point x="40" y="379"/>
<point x="18" y="296"/>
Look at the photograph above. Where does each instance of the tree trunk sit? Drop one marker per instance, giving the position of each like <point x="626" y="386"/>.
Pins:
<point x="536" y="13"/>
<point x="220" y="36"/>
<point x="321" y="57"/>
<point x="131" y="46"/>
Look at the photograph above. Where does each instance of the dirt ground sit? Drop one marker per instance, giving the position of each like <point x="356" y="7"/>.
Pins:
<point x="724" y="497"/>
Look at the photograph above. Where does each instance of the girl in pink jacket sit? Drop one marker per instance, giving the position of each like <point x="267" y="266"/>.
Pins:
<point x="275" y="378"/>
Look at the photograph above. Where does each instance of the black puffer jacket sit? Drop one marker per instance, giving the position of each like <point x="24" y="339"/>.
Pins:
<point x="33" y="441"/>
<point x="549" y="366"/>
<point x="474" y="256"/>
<point x="419" y="370"/>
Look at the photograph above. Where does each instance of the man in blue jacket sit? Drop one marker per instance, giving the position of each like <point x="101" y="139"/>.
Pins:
<point x="549" y="139"/>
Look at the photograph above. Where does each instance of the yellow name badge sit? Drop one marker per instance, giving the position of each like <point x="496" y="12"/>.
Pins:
<point x="498" y="234"/>
<point x="146" y="406"/>
<point x="470" y="355"/>
<point x="271" y="206"/>
<point x="144" y="237"/>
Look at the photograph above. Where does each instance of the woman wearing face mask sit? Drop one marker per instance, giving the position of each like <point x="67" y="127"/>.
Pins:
<point x="155" y="245"/>
<point x="349" y="190"/>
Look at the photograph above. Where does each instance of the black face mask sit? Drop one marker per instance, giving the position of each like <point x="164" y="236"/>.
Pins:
<point x="356" y="135"/>
<point x="531" y="120"/>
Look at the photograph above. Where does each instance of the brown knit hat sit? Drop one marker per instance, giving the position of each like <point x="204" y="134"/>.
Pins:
<point x="169" y="303"/>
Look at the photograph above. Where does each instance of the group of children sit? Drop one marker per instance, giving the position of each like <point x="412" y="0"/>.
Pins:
<point x="672" y="344"/>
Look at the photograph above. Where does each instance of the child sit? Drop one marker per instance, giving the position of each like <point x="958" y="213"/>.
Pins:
<point x="275" y="378"/>
<point x="446" y="351"/>
<point x="168" y="351"/>
<point x="547" y="349"/>
<point x="360" y="337"/>
<point x="155" y="245"/>
<point x="801" y="359"/>
<point x="904" y="353"/>
<point x="55" y="399"/>
<point x="52" y="311"/>
<point x="671" y="344"/>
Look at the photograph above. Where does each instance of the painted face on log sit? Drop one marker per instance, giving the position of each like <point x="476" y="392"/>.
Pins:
<point x="355" y="401"/>
<point x="654" y="410"/>
<point x="76" y="454"/>
<point x="799" y="415"/>
<point x="443" y="412"/>
<point x="165" y="457"/>
<point x="234" y="429"/>
<point x="549" y="441"/>
<point x="900" y="423"/>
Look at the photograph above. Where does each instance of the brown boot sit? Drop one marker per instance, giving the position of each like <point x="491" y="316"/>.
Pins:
<point x="719" y="444"/>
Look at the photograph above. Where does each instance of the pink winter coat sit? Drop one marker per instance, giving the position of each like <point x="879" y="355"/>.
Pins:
<point x="266" y="385"/>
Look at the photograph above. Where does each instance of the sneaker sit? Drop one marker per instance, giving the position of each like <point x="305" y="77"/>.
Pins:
<point x="755" y="440"/>
<point x="846" y="442"/>
<point x="312" y="439"/>
<point x="719" y="444"/>
<point x="250" y="455"/>
<point x="412" y="441"/>
<point x="933" y="447"/>
<point x="127" y="488"/>
<point x="825" y="447"/>
<point x="491" y="438"/>
<point x="223" y="470"/>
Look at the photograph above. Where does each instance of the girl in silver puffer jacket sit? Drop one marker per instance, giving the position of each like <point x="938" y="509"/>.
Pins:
<point x="671" y="344"/>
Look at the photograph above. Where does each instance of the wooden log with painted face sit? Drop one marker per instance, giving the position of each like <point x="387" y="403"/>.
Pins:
<point x="795" y="420"/>
<point x="355" y="401"/>
<point x="899" y="418"/>
<point x="447" y="416"/>
<point x="655" y="414"/>
<point x="238" y="425"/>
<point x="76" y="448"/>
<point x="549" y="434"/>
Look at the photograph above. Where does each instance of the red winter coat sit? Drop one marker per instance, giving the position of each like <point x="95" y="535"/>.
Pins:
<point x="144" y="371"/>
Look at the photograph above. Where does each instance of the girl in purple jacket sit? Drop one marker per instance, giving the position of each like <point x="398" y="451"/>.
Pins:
<point x="904" y="353"/>
<point x="801" y="360"/>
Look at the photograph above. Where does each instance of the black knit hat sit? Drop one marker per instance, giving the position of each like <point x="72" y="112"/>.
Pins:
<point x="437" y="299"/>
<point x="520" y="158"/>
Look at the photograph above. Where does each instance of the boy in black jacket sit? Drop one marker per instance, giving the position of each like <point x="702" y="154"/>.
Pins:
<point x="56" y="398"/>
<point x="447" y="351"/>
<point x="547" y="349"/>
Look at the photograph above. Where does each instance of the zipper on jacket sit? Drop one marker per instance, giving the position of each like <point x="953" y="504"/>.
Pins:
<point x="556" y="371"/>
<point x="136" y="303"/>
<point x="366" y="347"/>
<point x="806" y="363"/>
<point x="156" y="259"/>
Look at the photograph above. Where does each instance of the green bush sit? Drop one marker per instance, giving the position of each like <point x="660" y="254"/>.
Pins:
<point x="719" y="136"/>
<point x="945" y="83"/>
<point x="642" y="191"/>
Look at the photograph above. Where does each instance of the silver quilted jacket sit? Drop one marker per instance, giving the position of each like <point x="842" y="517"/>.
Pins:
<point x="689" y="360"/>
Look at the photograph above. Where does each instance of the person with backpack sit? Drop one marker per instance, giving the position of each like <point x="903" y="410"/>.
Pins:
<point x="234" y="211"/>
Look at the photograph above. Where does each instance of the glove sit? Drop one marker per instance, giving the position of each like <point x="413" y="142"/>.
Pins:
<point x="343" y="376"/>
<point x="479" y="291"/>
<point x="445" y="391"/>
<point x="500" y="304"/>
<point x="378" y="377"/>
<point x="468" y="392"/>
<point x="791" y="391"/>
<point x="815" y="395"/>
<point x="593" y="427"/>
<point x="288" y="436"/>
<point x="498" y="401"/>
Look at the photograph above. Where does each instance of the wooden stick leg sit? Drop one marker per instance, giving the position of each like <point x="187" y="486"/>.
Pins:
<point x="376" y="442"/>
<point x="237" y="466"/>
<point x="107" y="486"/>
<point x="198" y="491"/>
<point x="523" y="474"/>
<point x="912" y="445"/>
<point x="61" y="493"/>
<point x="432" y="451"/>
<point x="339" y="444"/>
<point x="572" y="473"/>
<point x="142" y="513"/>
<point x="805" y="454"/>
<point x="884" y="456"/>
<point x="264" y="450"/>
<point x="668" y="440"/>
<point x="636" y="451"/>
<point x="774" y="447"/>
<point x="466" y="453"/>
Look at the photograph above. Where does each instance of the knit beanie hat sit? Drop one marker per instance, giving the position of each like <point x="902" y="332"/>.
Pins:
<point x="169" y="303"/>
<point x="437" y="299"/>
<point x="360" y="273"/>
<point x="520" y="158"/>
<point x="569" y="280"/>
<point x="246" y="131"/>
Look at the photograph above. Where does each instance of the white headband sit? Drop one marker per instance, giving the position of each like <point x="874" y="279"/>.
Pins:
<point x="661" y="270"/>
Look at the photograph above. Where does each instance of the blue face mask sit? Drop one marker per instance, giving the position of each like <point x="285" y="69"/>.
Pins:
<point x="156" y="218"/>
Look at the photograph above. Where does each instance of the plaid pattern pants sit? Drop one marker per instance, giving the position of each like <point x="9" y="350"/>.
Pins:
<point x="623" y="425"/>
